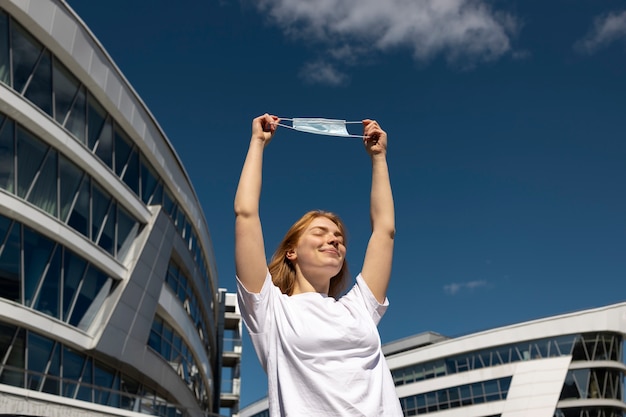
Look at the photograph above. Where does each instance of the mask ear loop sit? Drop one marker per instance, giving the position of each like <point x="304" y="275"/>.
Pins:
<point x="343" y="136"/>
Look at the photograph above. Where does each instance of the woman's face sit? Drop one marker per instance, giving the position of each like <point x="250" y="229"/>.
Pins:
<point x="320" y="248"/>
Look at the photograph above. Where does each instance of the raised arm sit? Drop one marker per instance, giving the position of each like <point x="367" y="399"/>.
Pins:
<point x="378" y="257"/>
<point x="250" y="261"/>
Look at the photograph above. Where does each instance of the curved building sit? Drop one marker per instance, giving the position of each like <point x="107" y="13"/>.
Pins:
<point x="109" y="304"/>
<point x="570" y="365"/>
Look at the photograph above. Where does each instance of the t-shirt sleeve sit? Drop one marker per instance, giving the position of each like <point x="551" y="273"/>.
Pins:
<point x="255" y="306"/>
<point x="376" y="309"/>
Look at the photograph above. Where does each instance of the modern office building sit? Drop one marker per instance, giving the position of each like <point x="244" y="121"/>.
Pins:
<point x="570" y="365"/>
<point x="109" y="303"/>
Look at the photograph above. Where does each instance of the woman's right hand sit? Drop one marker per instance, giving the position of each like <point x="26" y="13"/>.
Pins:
<point x="264" y="127"/>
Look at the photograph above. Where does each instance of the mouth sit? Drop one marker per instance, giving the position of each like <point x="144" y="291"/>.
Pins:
<point x="332" y="251"/>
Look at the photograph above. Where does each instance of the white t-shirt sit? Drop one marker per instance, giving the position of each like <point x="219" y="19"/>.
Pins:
<point x="322" y="356"/>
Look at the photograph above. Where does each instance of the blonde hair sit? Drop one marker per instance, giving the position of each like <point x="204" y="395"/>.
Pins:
<point x="281" y="268"/>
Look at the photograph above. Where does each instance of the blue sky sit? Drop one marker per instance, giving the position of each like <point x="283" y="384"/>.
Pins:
<point x="507" y="138"/>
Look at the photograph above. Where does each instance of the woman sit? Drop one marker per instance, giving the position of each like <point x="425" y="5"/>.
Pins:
<point x="321" y="350"/>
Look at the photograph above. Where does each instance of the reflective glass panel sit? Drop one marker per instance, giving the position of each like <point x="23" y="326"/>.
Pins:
<point x="37" y="252"/>
<point x="13" y="372"/>
<point x="104" y="144"/>
<point x="52" y="382"/>
<point x="10" y="260"/>
<point x="26" y="51"/>
<point x="100" y="208"/>
<point x="65" y="88"/>
<point x="93" y="282"/>
<point x="107" y="234"/>
<point x="148" y="183"/>
<point x="73" y="363"/>
<point x="7" y="332"/>
<point x="39" y="353"/>
<point x="76" y="122"/>
<point x="5" y="74"/>
<point x="70" y="178"/>
<point x="7" y="154"/>
<point x="79" y="216"/>
<point x="131" y="174"/>
<point x="48" y="299"/>
<point x="43" y="191"/>
<point x="122" y="152"/>
<point x="30" y="153"/>
<point x="74" y="270"/>
<point x="39" y="90"/>
<point x="96" y="116"/>
<point x="85" y="392"/>
<point x="126" y="232"/>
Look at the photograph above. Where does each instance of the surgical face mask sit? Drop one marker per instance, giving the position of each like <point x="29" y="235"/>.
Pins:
<point x="319" y="126"/>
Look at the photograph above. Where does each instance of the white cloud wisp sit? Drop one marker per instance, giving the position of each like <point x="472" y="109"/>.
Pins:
<point x="606" y="29"/>
<point x="456" y="287"/>
<point x="463" y="31"/>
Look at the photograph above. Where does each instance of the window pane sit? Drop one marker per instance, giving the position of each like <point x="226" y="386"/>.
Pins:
<point x="122" y="152"/>
<point x="30" y="153"/>
<point x="6" y="337"/>
<point x="39" y="351"/>
<point x="96" y="116"/>
<point x="76" y="122"/>
<point x="100" y="208"/>
<point x="44" y="191"/>
<point x="126" y="232"/>
<point x="13" y="373"/>
<point x="7" y="154"/>
<point x="93" y="282"/>
<point x="72" y="368"/>
<point x="74" y="269"/>
<point x="37" y="251"/>
<point x="79" y="217"/>
<point x="85" y="392"/>
<point x="70" y="177"/>
<point x="104" y="144"/>
<point x="26" y="51"/>
<point x="148" y="183"/>
<point x="131" y="175"/>
<point x="107" y="235"/>
<point x="49" y="295"/>
<point x="52" y="382"/>
<point x="5" y="75"/>
<point x="39" y="90"/>
<point x="65" y="88"/>
<point x="10" y="260"/>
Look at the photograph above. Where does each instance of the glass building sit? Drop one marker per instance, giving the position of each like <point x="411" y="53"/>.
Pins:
<point x="570" y="365"/>
<point x="109" y="304"/>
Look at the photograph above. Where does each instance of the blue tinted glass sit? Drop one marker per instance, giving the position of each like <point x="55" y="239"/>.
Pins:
<point x="37" y="251"/>
<point x="65" y="88"/>
<point x="52" y="382"/>
<point x="7" y="154"/>
<point x="85" y="392"/>
<point x="43" y="191"/>
<point x="26" y="51"/>
<point x="100" y="208"/>
<point x="70" y="178"/>
<point x="79" y="216"/>
<point x="5" y="74"/>
<point x="131" y="174"/>
<point x="104" y="144"/>
<point x="148" y="183"/>
<point x="30" y="155"/>
<point x="96" y="116"/>
<point x="74" y="269"/>
<point x="107" y="234"/>
<point x="122" y="152"/>
<point x="73" y="363"/>
<point x="103" y="377"/>
<point x="49" y="295"/>
<point x="39" y="352"/>
<point x="77" y="121"/>
<point x="10" y="260"/>
<point x="39" y="90"/>
<point x="93" y="282"/>
<point x="126" y="231"/>
<point x="13" y="373"/>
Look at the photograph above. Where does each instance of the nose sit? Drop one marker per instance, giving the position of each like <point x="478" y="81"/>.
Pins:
<point x="332" y="240"/>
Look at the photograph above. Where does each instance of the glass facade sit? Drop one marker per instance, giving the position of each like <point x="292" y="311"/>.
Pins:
<point x="37" y="363"/>
<point x="454" y="397"/>
<point x="582" y="347"/>
<point x="33" y="72"/>
<point x="45" y="276"/>
<point x="169" y="344"/>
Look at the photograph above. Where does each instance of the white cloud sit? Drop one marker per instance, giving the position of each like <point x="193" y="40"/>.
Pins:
<point x="455" y="287"/>
<point x="606" y="29"/>
<point x="463" y="31"/>
<point x="320" y="72"/>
